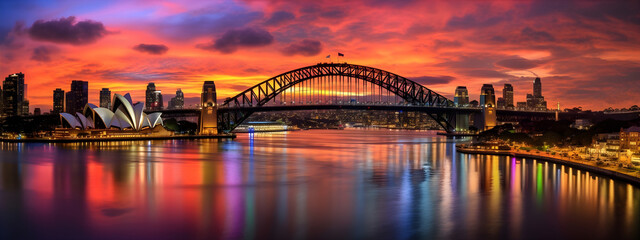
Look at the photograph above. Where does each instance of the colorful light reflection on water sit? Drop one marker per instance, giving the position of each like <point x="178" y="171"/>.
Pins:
<point x="318" y="184"/>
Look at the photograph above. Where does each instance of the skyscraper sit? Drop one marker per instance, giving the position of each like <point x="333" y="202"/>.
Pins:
<point x="537" y="87"/>
<point x="536" y="101"/>
<point x="461" y="98"/>
<point x="105" y="98"/>
<point x="58" y="100"/>
<point x="69" y="102"/>
<point x="500" y="103"/>
<point x="177" y="102"/>
<point x="78" y="97"/>
<point x="13" y="94"/>
<point x="487" y="95"/>
<point x="153" y="98"/>
<point x="507" y="95"/>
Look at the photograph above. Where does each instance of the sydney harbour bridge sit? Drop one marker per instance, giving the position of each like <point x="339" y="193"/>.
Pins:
<point x="349" y="86"/>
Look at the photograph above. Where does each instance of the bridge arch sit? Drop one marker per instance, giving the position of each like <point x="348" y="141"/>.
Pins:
<point x="236" y="109"/>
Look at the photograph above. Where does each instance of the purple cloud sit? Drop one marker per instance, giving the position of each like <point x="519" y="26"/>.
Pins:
<point x="433" y="80"/>
<point x="306" y="47"/>
<point x="43" y="53"/>
<point x="67" y="31"/>
<point x="518" y="63"/>
<point x="155" y="49"/>
<point x="280" y="17"/>
<point x="237" y="38"/>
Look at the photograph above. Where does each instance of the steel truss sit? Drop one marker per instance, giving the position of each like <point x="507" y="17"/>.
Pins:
<point x="238" y="108"/>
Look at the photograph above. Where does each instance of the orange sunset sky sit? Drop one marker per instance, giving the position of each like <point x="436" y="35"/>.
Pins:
<point x="586" y="52"/>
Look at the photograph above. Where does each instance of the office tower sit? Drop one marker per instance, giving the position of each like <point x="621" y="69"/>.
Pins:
<point x="36" y="111"/>
<point x="159" y="103"/>
<point x="153" y="98"/>
<point x="209" y="112"/>
<point x="536" y="101"/>
<point x="461" y="98"/>
<point x="1" y="102"/>
<point x="487" y="95"/>
<point x="58" y="100"/>
<point x="105" y="98"/>
<point x="13" y="94"/>
<point x="69" y="101"/>
<point x="537" y="87"/>
<point x="500" y="103"/>
<point x="77" y="97"/>
<point x="507" y="95"/>
<point x="177" y="102"/>
<point x="23" y="108"/>
<point x="150" y="96"/>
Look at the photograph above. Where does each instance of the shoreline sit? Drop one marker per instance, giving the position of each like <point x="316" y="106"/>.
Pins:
<point x="121" y="139"/>
<point x="611" y="173"/>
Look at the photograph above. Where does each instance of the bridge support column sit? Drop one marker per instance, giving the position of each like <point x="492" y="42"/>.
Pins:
<point x="462" y="122"/>
<point x="208" y="124"/>
<point x="489" y="116"/>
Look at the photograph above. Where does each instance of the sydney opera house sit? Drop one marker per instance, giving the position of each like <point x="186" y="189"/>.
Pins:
<point x="125" y="119"/>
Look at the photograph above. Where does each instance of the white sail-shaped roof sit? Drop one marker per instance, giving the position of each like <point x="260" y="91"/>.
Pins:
<point x="105" y="115"/>
<point x="84" y="121"/>
<point x="155" y="119"/>
<point x="124" y="115"/>
<point x="138" y="115"/>
<point x="121" y="120"/>
<point x="71" y="120"/>
<point x="123" y="104"/>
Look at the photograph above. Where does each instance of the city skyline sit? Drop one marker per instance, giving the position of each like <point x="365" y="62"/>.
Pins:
<point x="181" y="44"/>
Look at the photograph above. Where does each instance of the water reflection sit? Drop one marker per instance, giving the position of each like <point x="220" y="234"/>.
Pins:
<point x="300" y="185"/>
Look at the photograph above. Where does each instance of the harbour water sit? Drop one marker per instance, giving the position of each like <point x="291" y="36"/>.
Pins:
<point x="315" y="184"/>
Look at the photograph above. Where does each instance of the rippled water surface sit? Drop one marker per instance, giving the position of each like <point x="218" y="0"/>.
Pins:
<point x="316" y="184"/>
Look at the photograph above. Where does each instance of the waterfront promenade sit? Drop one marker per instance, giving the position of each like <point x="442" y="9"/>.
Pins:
<point x="625" y="174"/>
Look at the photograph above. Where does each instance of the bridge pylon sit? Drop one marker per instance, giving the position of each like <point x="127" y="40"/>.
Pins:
<point x="208" y="123"/>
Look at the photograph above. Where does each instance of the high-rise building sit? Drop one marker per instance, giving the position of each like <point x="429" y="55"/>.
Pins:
<point x="500" y="103"/>
<point x="36" y="112"/>
<point x="536" y="101"/>
<point x="177" y="102"/>
<point x="58" y="100"/>
<point x="209" y="112"/>
<point x="1" y="102"/>
<point x="507" y="95"/>
<point x="153" y="98"/>
<point x="13" y="95"/>
<point x="159" y="103"/>
<point x="77" y="97"/>
<point x="105" y="98"/>
<point x="537" y="87"/>
<point x="24" y="108"/>
<point x="487" y="95"/>
<point x="461" y="98"/>
<point x="69" y="101"/>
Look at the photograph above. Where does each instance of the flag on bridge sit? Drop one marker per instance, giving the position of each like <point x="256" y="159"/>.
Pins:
<point x="340" y="55"/>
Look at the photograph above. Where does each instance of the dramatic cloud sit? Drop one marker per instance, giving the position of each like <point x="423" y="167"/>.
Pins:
<point x="518" y="63"/>
<point x="155" y="49"/>
<point x="207" y="21"/>
<point x="437" y="44"/>
<point x="237" y="38"/>
<point x="482" y="73"/>
<point x="538" y="36"/>
<point x="68" y="31"/>
<point x="433" y="80"/>
<point x="306" y="47"/>
<point x="43" y="53"/>
<point x="280" y="17"/>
